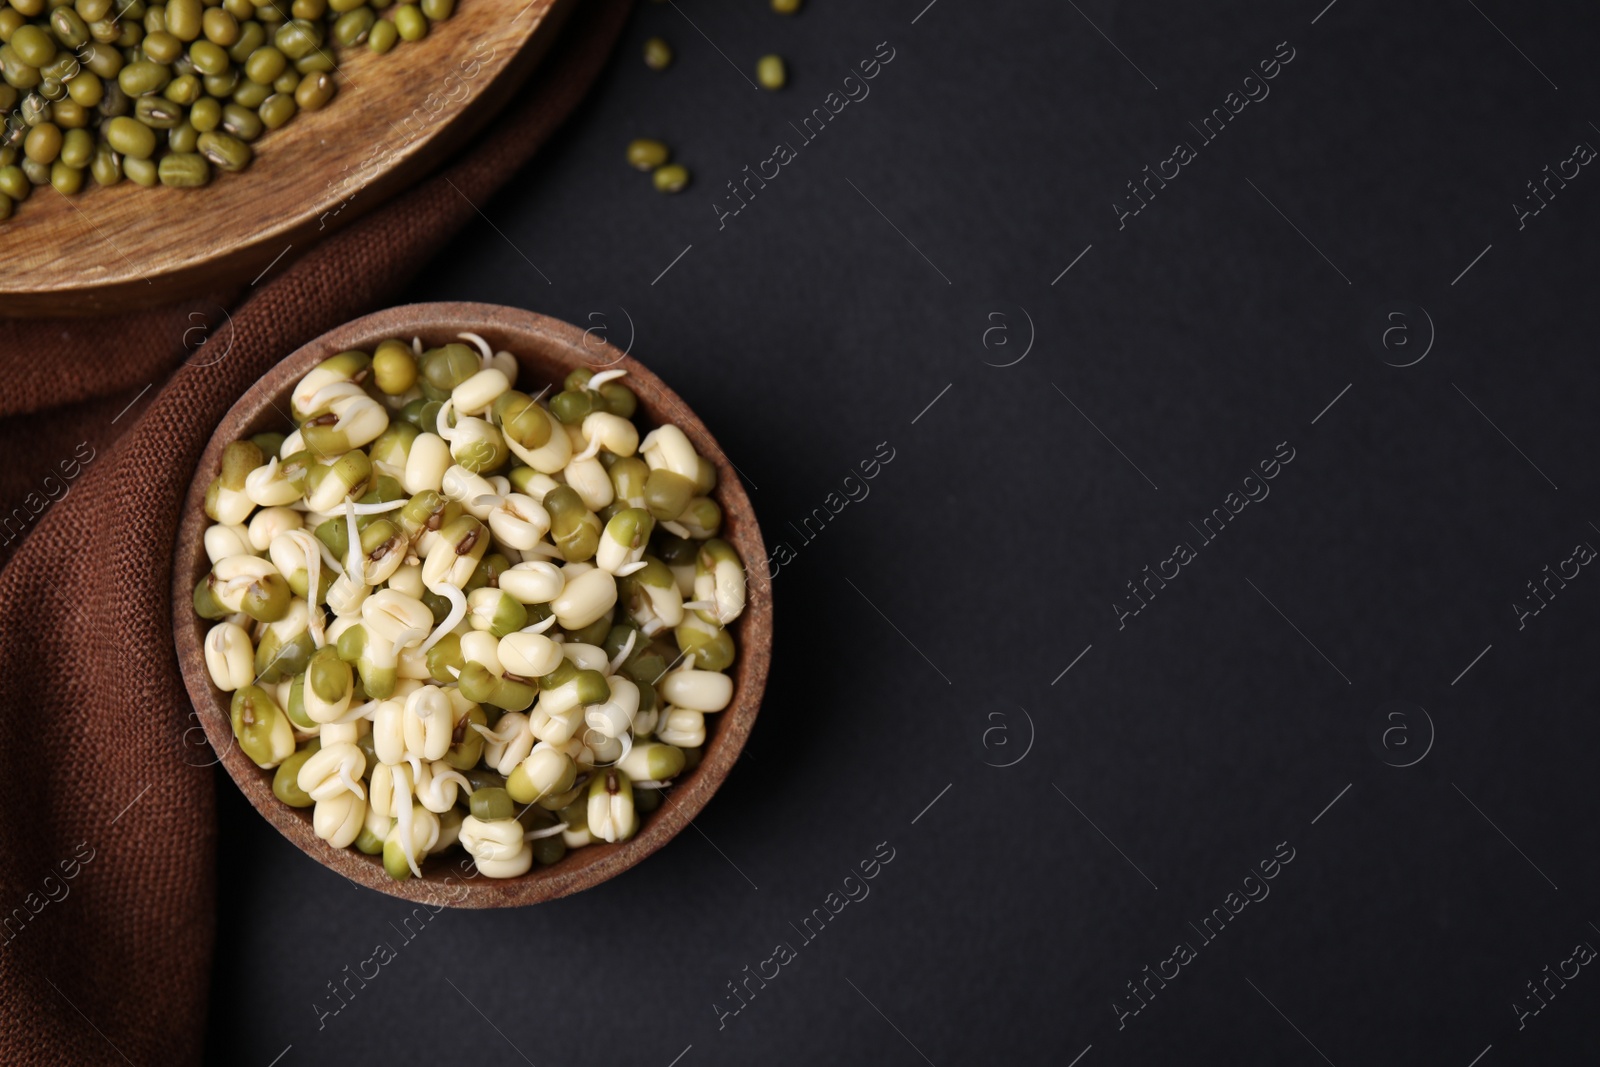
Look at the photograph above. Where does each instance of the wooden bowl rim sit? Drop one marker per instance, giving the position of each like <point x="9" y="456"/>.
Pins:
<point x="532" y="338"/>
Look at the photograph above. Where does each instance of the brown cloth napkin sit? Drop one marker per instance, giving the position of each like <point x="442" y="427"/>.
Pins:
<point x="107" y="842"/>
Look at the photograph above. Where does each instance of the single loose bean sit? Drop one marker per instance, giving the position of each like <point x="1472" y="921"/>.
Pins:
<point x="672" y="178"/>
<point x="657" y="54"/>
<point x="646" y="154"/>
<point x="771" y="72"/>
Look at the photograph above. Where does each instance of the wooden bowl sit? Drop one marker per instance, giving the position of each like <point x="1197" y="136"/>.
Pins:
<point x="547" y="349"/>
<point x="395" y="117"/>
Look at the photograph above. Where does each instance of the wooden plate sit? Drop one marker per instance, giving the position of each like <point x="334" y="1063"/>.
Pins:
<point x="395" y="117"/>
<point x="547" y="350"/>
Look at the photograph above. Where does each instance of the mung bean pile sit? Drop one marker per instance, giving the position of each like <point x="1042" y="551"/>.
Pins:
<point x="450" y="612"/>
<point x="170" y="93"/>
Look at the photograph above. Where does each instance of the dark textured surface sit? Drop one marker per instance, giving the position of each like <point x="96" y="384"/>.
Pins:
<point x="1000" y="536"/>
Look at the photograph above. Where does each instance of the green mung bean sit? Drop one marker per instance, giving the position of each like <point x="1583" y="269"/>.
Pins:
<point x="67" y="180"/>
<point x="224" y="151"/>
<point x="284" y="780"/>
<point x="43" y="143"/>
<point x="251" y="94"/>
<point x="298" y="38"/>
<point x="242" y="122"/>
<point x="184" y="89"/>
<point x="102" y="59"/>
<point x="314" y="91"/>
<point x="208" y="57"/>
<point x="354" y="26"/>
<point x="183" y="138"/>
<point x="313" y="62"/>
<point x="265" y="64"/>
<point x="32" y="45"/>
<point x="77" y="148"/>
<point x="276" y="110"/>
<point x="220" y="27"/>
<point x="157" y="112"/>
<point x="69" y="115"/>
<point x="383" y="36"/>
<point x="184" y="19"/>
<point x="13" y="183"/>
<point x="206" y="114"/>
<point x="771" y="72"/>
<point x="69" y="27"/>
<point x="411" y="22"/>
<point x="162" y="47"/>
<point x="143" y="77"/>
<point x="672" y="178"/>
<point x="141" y="171"/>
<point x="184" y="170"/>
<point x="221" y="86"/>
<point x="106" y="167"/>
<point x="647" y="154"/>
<point x="251" y="37"/>
<point x="657" y="54"/>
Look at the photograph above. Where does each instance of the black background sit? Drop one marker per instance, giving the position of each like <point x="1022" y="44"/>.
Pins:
<point x="923" y="635"/>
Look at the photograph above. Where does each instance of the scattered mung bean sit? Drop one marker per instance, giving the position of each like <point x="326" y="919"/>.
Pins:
<point x="657" y="54"/>
<point x="672" y="178"/>
<point x="647" y="154"/>
<point x="770" y="72"/>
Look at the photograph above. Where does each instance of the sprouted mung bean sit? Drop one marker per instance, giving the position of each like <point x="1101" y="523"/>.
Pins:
<point x="170" y="93"/>
<point x="448" y="612"/>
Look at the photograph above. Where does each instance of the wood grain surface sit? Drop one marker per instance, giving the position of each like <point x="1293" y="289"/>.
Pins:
<point x="546" y="349"/>
<point x="395" y="117"/>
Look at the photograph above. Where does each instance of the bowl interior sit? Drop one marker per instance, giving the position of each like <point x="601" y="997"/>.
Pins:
<point x="546" y="350"/>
